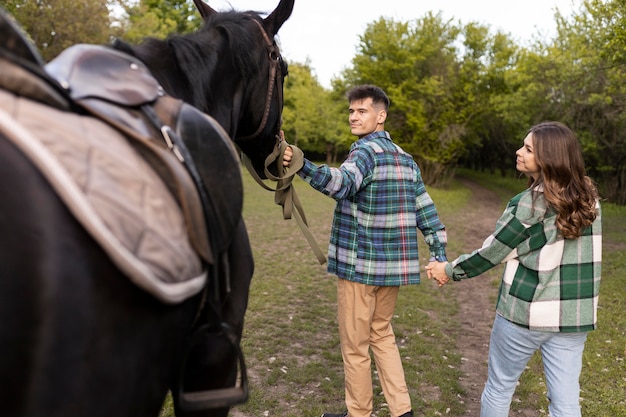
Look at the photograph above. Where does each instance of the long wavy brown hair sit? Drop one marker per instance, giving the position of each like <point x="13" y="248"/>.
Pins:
<point x="566" y="187"/>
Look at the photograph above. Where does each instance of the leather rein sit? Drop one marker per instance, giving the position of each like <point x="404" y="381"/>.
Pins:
<point x="285" y="194"/>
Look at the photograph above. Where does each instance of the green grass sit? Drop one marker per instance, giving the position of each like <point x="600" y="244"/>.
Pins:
<point x="291" y="340"/>
<point x="504" y="187"/>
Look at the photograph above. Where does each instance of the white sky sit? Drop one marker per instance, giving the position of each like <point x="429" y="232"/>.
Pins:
<point x="326" y="32"/>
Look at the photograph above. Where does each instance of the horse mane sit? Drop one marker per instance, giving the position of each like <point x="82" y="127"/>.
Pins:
<point x="236" y="28"/>
<point x="197" y="53"/>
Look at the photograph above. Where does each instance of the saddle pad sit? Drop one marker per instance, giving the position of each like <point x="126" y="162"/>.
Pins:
<point x="112" y="192"/>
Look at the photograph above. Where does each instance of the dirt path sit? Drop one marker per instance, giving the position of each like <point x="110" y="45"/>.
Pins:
<point x="477" y="296"/>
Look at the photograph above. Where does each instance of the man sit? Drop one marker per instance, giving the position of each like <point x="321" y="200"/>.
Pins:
<point x="381" y="202"/>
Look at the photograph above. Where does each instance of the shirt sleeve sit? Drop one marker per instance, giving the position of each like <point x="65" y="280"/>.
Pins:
<point x="429" y="224"/>
<point x="497" y="248"/>
<point x="343" y="182"/>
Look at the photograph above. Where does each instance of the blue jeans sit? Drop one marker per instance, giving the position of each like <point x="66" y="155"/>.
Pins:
<point x="510" y="349"/>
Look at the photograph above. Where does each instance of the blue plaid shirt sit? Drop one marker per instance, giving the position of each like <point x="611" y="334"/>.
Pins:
<point x="381" y="202"/>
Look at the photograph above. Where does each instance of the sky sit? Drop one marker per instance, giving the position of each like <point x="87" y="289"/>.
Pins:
<point x="326" y="32"/>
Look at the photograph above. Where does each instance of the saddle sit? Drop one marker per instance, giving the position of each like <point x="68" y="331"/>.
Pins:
<point x="119" y="90"/>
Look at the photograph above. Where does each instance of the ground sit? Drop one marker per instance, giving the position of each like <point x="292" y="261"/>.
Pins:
<point x="477" y="299"/>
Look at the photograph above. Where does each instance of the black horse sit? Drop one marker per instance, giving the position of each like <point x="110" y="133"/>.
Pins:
<point x="77" y="338"/>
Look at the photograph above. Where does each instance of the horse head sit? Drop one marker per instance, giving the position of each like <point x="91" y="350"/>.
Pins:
<point x="256" y="117"/>
<point x="233" y="71"/>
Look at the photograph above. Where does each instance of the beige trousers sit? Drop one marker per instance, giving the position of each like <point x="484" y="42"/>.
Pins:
<point x="364" y="313"/>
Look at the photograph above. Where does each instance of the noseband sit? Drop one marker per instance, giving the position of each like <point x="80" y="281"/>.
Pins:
<point x="275" y="79"/>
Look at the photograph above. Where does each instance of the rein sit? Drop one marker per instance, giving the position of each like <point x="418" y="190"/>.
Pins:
<point x="284" y="193"/>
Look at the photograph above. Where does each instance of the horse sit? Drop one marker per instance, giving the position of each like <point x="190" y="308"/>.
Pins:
<point x="77" y="336"/>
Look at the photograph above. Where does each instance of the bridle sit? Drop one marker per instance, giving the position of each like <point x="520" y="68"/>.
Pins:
<point x="275" y="81"/>
<point x="211" y="306"/>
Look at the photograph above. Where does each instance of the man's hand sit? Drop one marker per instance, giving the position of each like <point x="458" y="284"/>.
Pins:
<point x="287" y="155"/>
<point x="437" y="271"/>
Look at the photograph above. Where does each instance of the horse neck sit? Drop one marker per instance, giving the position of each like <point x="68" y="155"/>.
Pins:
<point x="214" y="94"/>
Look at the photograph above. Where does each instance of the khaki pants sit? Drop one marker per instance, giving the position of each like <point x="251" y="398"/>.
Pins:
<point x="364" y="314"/>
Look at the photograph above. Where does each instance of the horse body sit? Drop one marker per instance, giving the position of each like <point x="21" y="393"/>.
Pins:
<point x="77" y="338"/>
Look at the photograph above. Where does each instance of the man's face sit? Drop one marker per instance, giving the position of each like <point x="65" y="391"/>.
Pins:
<point x="366" y="118"/>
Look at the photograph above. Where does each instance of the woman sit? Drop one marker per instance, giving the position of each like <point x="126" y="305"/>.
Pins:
<point x="549" y="238"/>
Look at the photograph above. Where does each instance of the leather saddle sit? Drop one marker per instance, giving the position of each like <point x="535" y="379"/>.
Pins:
<point x="118" y="89"/>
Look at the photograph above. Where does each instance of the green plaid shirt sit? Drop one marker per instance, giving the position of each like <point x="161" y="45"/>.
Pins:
<point x="381" y="202"/>
<point x="549" y="283"/>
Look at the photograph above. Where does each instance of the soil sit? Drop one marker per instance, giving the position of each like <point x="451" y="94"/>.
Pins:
<point x="477" y="298"/>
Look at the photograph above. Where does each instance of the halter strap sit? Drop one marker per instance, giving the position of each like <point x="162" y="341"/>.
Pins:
<point x="284" y="193"/>
<point x="274" y="79"/>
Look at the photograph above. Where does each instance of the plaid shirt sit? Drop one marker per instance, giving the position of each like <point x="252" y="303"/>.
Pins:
<point x="381" y="202"/>
<point x="549" y="283"/>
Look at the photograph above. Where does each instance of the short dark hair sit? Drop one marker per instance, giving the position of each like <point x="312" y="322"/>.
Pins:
<point x="361" y="92"/>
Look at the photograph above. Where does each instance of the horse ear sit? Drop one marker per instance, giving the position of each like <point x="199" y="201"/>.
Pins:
<point x="204" y="9"/>
<point x="275" y="20"/>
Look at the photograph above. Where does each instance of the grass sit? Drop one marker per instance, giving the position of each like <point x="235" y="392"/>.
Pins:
<point x="291" y="340"/>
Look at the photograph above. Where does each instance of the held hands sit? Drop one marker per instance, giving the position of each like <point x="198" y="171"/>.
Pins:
<point x="437" y="271"/>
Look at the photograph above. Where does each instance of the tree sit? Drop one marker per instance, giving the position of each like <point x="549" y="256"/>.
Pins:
<point x="311" y="117"/>
<point x="55" y="25"/>
<point x="415" y="63"/>
<point x="461" y="92"/>
<point x="159" y="18"/>
<point x="485" y="87"/>
<point x="582" y="75"/>
<point x="596" y="90"/>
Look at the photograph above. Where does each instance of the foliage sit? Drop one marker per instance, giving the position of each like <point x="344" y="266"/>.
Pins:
<point x="415" y="63"/>
<point x="592" y="93"/>
<point x="159" y="18"/>
<point x="55" y="25"/>
<point x="464" y="95"/>
<point x="461" y="95"/>
<point x="486" y="70"/>
<point x="312" y="118"/>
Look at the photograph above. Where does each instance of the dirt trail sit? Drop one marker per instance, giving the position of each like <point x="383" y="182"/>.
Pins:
<point x="477" y="296"/>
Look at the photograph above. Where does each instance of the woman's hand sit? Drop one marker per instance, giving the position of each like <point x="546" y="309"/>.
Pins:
<point x="437" y="271"/>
